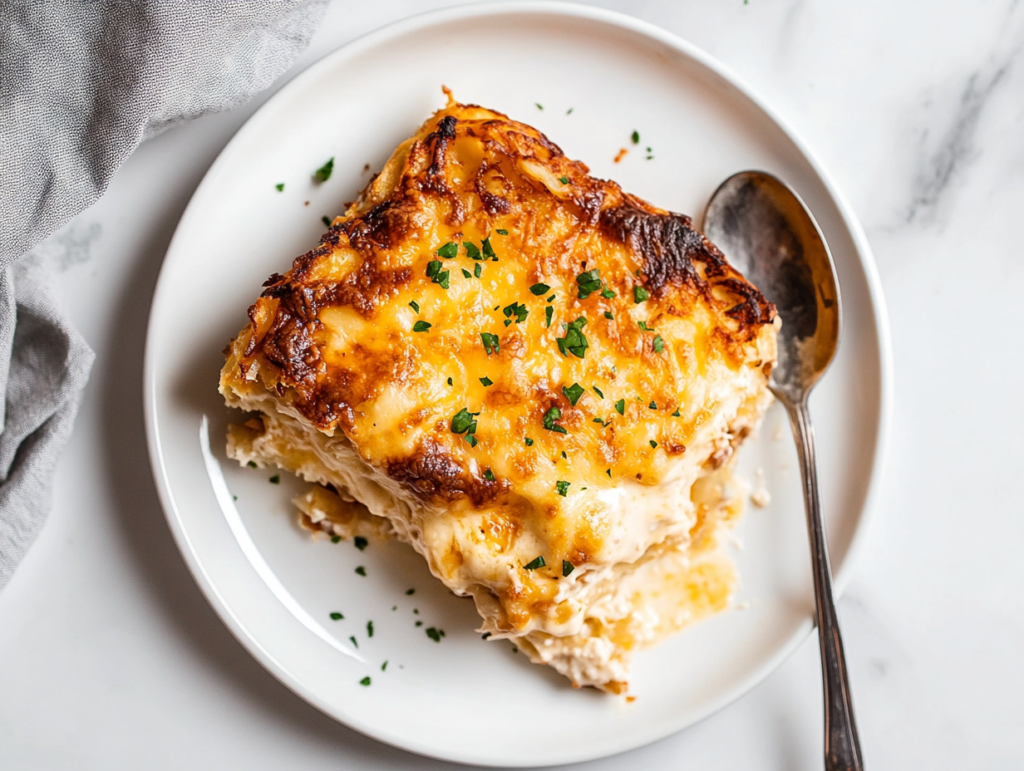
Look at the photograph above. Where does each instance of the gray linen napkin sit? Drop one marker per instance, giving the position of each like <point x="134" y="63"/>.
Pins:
<point x="81" y="85"/>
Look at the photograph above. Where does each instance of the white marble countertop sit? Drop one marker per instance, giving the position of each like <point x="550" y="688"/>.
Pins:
<point x="111" y="658"/>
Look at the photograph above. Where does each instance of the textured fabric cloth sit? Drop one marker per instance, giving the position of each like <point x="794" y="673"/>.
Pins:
<point x="81" y="85"/>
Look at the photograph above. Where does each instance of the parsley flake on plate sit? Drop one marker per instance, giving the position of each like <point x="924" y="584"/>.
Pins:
<point x="486" y="247"/>
<point x="336" y="616"/>
<point x="435" y="634"/>
<point x="534" y="564"/>
<point x="324" y="172"/>
<point x="421" y="326"/>
<point x="567" y="568"/>
<point x="415" y="306"/>
<point x="276" y="479"/>
<point x="472" y="250"/>
<point x="640" y="294"/>
<point x="486" y="381"/>
<point x="548" y="312"/>
<point x="279" y="187"/>
<point x="563" y="487"/>
<point x="360" y="542"/>
<point x="654" y="445"/>
<point x="539" y="289"/>
<point x="597" y="391"/>
<point x="620" y="406"/>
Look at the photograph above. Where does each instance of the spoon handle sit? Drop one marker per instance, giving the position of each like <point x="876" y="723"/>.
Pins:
<point x="842" y="747"/>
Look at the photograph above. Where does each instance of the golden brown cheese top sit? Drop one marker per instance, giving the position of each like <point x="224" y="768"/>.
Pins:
<point x="491" y="324"/>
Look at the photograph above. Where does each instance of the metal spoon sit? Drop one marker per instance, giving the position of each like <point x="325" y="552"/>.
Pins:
<point x="767" y="233"/>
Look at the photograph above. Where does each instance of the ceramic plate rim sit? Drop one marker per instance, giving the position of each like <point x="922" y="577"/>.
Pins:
<point x="688" y="50"/>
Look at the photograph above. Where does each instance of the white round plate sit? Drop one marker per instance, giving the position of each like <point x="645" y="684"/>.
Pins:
<point x="599" y="77"/>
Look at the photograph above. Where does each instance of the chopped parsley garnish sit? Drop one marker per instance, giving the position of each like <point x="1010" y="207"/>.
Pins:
<point x="529" y="442"/>
<point x="620" y="406"/>
<point x="564" y="180"/>
<point x="361" y="571"/>
<point x="421" y="326"/>
<point x="644" y="327"/>
<point x="588" y="282"/>
<point x="654" y="445"/>
<point x="276" y="479"/>
<point x="490" y="342"/>
<point x="563" y="487"/>
<point x="597" y="391"/>
<point x="489" y="475"/>
<point x="415" y="306"/>
<point x="534" y="564"/>
<point x="501" y="232"/>
<point x="567" y="568"/>
<point x="485" y="635"/>
<point x="335" y="539"/>
<point x="450" y="381"/>
<point x="436" y="275"/>
<point x="539" y="289"/>
<point x="518" y="310"/>
<point x="418" y="624"/>
<point x="636" y="137"/>
<point x="478" y="269"/>
<point x="658" y="343"/>
<point x="365" y="681"/>
<point x="551" y="298"/>
<point x="449" y="250"/>
<point x="574" y="341"/>
<point x="547" y="315"/>
<point x="464" y="422"/>
<point x="486" y="381"/>
<point x="470" y="440"/>
<point x="607" y="293"/>
<point x="539" y="105"/>
<point x="360" y="542"/>
<point x="252" y="464"/>
<point x="472" y="250"/>
<point x="608" y="315"/>
<point x="599" y="421"/>
<point x="608" y="471"/>
<point x="549" y="421"/>
<point x="326" y="220"/>
<point x="652" y="406"/>
<point x="410" y="592"/>
<point x="573" y="393"/>
<point x="369" y="629"/>
<point x="354" y="641"/>
<point x="569" y="111"/>
<point x="435" y="634"/>
<point x="324" y="172"/>
<point x="676" y="413"/>
<point x="467" y="274"/>
<point x="640" y="294"/>
<point x="486" y="247"/>
<point x="384" y="666"/>
<point x="336" y="616"/>
<point x="279" y="187"/>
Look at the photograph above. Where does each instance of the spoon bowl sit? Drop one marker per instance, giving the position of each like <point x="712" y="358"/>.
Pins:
<point x="766" y="232"/>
